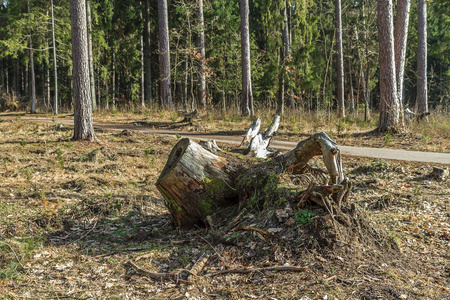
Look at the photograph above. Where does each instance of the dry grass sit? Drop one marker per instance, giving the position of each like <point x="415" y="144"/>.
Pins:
<point x="74" y="212"/>
<point x="432" y="135"/>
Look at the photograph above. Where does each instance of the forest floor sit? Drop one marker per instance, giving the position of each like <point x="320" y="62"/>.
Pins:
<point x="72" y="214"/>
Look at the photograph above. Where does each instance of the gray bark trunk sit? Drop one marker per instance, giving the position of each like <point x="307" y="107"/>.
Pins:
<point x="142" y="69"/>
<point x="389" y="106"/>
<point x="164" y="55"/>
<point x="201" y="50"/>
<point x="33" y="78"/>
<point x="247" y="94"/>
<point x="2" y="83"/>
<point x="340" y="60"/>
<point x="147" y="56"/>
<point x="91" y="56"/>
<point x="401" y="35"/>
<point x="284" y="53"/>
<point x="55" y="65"/>
<point x="83" y="128"/>
<point x="350" y="81"/>
<point x="422" y="93"/>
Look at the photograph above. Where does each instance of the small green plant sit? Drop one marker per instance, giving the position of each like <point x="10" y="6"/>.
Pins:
<point x="23" y="143"/>
<point x="5" y="162"/>
<point x="417" y="190"/>
<point x="59" y="158"/>
<point x="340" y="127"/>
<point x="174" y="116"/>
<point x="304" y="217"/>
<point x="114" y="111"/>
<point x="426" y="137"/>
<point x="178" y="135"/>
<point x="117" y="205"/>
<point x="387" y="138"/>
<point x="147" y="152"/>
<point x="69" y="143"/>
<point x="108" y="195"/>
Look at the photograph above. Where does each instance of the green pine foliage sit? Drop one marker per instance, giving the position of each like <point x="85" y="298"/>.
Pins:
<point x="310" y="72"/>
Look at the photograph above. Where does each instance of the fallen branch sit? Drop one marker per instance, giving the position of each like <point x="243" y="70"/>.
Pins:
<point x="15" y="255"/>
<point x="199" y="265"/>
<point x="266" y="232"/>
<point x="156" y="276"/>
<point x="246" y="271"/>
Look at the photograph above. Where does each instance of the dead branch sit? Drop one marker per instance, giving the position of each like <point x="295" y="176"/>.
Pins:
<point x="251" y="228"/>
<point x="199" y="265"/>
<point x="251" y="132"/>
<point x="246" y="271"/>
<point x="156" y="276"/>
<point x="15" y="255"/>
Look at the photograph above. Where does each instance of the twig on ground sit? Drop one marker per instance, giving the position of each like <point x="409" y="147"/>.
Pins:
<point x="263" y="231"/>
<point x="245" y="271"/>
<point x="156" y="276"/>
<point x="84" y="235"/>
<point x="15" y="255"/>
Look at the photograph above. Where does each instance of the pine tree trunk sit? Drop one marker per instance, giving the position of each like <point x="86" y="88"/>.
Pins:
<point x="283" y="54"/>
<point x="2" y="76"/>
<point x="33" y="78"/>
<point x="91" y="56"/>
<point x="164" y="56"/>
<point x="247" y="94"/>
<point x="350" y="80"/>
<point x="422" y="93"/>
<point x="55" y="65"/>
<point x="340" y="60"/>
<point x="147" y="56"/>
<point x="47" y="80"/>
<point x="202" y="62"/>
<point x="389" y="106"/>
<point x="83" y="128"/>
<point x="289" y="27"/>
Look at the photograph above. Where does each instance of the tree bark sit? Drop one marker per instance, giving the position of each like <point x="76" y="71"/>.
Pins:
<point x="389" y="106"/>
<point x="283" y="54"/>
<point x="422" y="93"/>
<point x="142" y="81"/>
<point x="83" y="128"/>
<point x="350" y="81"/>
<point x="147" y="56"/>
<point x="202" y="62"/>
<point x="164" y="56"/>
<point x="33" y="78"/>
<point x="363" y="81"/>
<point x="247" y="94"/>
<point x="91" y="56"/>
<point x="401" y="36"/>
<point x="340" y="60"/>
<point x="55" y="65"/>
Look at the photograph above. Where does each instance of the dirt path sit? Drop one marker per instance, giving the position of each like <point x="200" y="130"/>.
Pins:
<point x="381" y="153"/>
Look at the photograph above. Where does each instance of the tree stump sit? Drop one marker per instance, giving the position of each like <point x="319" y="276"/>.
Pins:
<point x="197" y="184"/>
<point x="194" y="183"/>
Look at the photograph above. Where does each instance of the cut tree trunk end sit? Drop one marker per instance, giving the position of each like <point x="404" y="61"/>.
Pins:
<point x="194" y="183"/>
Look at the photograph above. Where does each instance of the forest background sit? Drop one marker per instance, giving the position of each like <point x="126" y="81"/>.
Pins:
<point x="125" y="65"/>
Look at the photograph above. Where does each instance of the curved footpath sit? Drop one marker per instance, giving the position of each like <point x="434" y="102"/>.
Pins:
<point x="381" y="153"/>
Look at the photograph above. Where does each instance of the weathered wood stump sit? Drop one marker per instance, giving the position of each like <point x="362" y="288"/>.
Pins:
<point x="194" y="183"/>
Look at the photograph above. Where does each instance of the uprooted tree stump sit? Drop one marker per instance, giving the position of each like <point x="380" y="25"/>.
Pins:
<point x="197" y="184"/>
